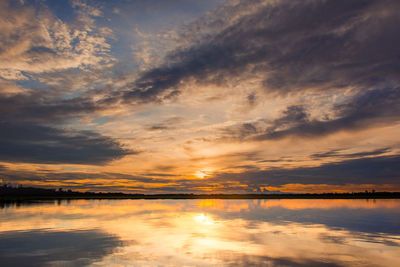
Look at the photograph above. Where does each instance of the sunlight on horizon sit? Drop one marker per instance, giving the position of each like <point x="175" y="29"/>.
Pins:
<point x="204" y="173"/>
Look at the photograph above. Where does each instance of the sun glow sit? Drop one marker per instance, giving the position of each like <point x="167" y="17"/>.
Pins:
<point x="201" y="174"/>
<point x="204" y="173"/>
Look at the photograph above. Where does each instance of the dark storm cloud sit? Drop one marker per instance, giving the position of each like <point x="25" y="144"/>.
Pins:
<point x="293" y="45"/>
<point x="378" y="170"/>
<point x="43" y="248"/>
<point x="43" y="144"/>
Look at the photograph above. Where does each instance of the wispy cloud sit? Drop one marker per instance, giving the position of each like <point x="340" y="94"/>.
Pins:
<point x="35" y="41"/>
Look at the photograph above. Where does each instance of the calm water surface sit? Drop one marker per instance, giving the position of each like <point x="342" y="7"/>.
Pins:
<point x="201" y="233"/>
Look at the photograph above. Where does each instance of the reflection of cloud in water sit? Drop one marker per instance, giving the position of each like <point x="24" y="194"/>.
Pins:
<point x="44" y="248"/>
<point x="251" y="260"/>
<point x="355" y="214"/>
<point x="226" y="232"/>
<point x="298" y="204"/>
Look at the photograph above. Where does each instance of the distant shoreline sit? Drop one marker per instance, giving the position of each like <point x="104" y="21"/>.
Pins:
<point x="151" y="197"/>
<point x="162" y="197"/>
<point x="8" y="193"/>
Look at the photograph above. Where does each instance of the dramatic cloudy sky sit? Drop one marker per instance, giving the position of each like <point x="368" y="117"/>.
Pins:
<point x="200" y="96"/>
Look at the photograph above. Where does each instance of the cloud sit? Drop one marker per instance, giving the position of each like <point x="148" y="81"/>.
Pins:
<point x="34" y="126"/>
<point x="379" y="170"/>
<point x="36" y="41"/>
<point x="268" y="39"/>
<point x="375" y="170"/>
<point x="92" y="180"/>
<point x="42" y="144"/>
<point x="365" y="110"/>
<point x="167" y="124"/>
<point x="276" y="71"/>
<point x="238" y="132"/>
<point x="43" y="107"/>
<point x="336" y="153"/>
<point x="292" y="46"/>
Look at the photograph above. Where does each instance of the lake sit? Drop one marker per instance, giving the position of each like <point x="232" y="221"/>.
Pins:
<point x="287" y="232"/>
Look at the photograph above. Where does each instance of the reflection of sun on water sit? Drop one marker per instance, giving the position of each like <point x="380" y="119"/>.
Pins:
<point x="205" y="236"/>
<point x="204" y="219"/>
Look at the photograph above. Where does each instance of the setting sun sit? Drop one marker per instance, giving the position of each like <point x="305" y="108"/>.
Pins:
<point x="201" y="174"/>
<point x="204" y="173"/>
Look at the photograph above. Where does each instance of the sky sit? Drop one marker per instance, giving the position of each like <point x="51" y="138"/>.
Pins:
<point x="211" y="96"/>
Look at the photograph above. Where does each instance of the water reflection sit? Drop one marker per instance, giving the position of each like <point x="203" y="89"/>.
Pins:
<point x="56" y="248"/>
<point x="201" y="233"/>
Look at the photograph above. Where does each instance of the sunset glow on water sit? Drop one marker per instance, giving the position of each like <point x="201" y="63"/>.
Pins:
<point x="201" y="233"/>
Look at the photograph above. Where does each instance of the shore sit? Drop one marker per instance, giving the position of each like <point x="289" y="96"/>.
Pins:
<point x="61" y="196"/>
